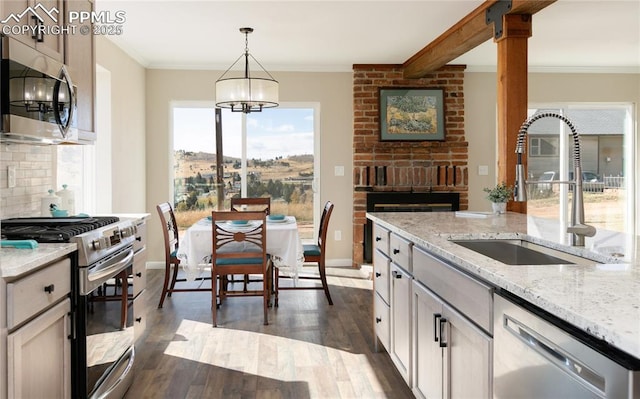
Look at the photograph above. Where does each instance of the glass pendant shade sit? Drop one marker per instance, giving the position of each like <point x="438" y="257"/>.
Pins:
<point x="245" y="93"/>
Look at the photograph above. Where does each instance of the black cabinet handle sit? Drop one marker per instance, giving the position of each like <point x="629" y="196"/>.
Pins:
<point x="138" y="238"/>
<point x="396" y="274"/>
<point x="138" y="319"/>
<point x="378" y="274"/>
<point x="442" y="322"/>
<point x="378" y="238"/>
<point x="378" y="320"/>
<point x="49" y="288"/>
<point x="139" y="274"/>
<point x="436" y="316"/>
<point x="396" y="251"/>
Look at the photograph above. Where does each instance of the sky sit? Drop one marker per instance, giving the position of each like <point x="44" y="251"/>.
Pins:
<point x="271" y="133"/>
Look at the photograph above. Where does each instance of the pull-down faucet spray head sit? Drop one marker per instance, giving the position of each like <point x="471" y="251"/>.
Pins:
<point x="519" y="188"/>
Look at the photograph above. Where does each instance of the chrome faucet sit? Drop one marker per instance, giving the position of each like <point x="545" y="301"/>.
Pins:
<point x="578" y="228"/>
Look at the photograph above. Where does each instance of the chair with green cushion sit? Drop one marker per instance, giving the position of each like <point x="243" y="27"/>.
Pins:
<point x="313" y="253"/>
<point x="239" y="247"/>
<point x="172" y="263"/>
<point x="249" y="204"/>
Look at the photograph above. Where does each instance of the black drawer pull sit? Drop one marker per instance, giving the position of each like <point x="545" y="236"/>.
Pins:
<point x="138" y="319"/>
<point x="443" y="342"/>
<point x="49" y="288"/>
<point x="378" y="238"/>
<point x="139" y="274"/>
<point x="378" y="274"/>
<point x="396" y="251"/>
<point x="396" y="274"/>
<point x="436" y="316"/>
<point x="139" y="239"/>
<point x="378" y="320"/>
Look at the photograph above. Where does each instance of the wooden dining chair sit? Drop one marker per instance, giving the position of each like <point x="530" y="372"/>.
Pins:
<point x="171" y="262"/>
<point x="239" y="249"/>
<point x="312" y="253"/>
<point x="262" y="204"/>
<point x="251" y="204"/>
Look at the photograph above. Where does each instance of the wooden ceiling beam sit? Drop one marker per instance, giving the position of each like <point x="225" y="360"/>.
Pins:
<point x="468" y="33"/>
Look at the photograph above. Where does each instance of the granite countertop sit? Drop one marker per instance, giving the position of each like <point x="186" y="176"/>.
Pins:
<point x="16" y="262"/>
<point x="602" y="299"/>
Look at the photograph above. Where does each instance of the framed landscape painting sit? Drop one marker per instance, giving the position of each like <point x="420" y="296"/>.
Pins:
<point x="411" y="114"/>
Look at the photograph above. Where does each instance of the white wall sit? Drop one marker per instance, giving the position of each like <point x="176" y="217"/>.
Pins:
<point x="128" y="128"/>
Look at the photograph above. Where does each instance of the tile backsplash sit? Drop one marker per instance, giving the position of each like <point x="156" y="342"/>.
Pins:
<point x="35" y="174"/>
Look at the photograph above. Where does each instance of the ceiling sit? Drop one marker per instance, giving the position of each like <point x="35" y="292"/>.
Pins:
<point x="300" y="35"/>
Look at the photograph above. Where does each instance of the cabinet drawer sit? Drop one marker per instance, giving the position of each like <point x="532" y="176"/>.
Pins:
<point x="141" y="236"/>
<point x="400" y="252"/>
<point x="139" y="271"/>
<point x="34" y="293"/>
<point x="469" y="296"/>
<point x="381" y="320"/>
<point x="139" y="315"/>
<point x="381" y="275"/>
<point x="381" y="239"/>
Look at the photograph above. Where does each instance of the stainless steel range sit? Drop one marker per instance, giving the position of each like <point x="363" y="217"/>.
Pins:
<point x="103" y="351"/>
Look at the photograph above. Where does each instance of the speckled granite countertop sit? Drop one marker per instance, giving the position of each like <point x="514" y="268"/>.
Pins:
<point x="601" y="299"/>
<point x="15" y="262"/>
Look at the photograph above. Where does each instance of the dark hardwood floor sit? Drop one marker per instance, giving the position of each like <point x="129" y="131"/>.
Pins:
<point x="308" y="350"/>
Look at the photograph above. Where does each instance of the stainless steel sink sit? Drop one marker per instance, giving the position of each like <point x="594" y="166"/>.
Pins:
<point x="522" y="252"/>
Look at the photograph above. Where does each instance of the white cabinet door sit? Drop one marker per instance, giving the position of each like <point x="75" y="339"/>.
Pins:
<point x="452" y="357"/>
<point x="80" y="58"/>
<point x="469" y="358"/>
<point x="401" y="321"/>
<point x="50" y="42"/>
<point x="427" y="360"/>
<point x="39" y="356"/>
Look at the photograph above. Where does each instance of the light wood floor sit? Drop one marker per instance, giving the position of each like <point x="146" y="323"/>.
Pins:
<point x="308" y="350"/>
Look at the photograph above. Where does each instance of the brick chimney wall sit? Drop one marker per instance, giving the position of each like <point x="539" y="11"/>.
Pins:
<point x="419" y="166"/>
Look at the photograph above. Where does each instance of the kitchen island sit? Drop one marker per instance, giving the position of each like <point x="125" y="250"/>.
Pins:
<point x="601" y="299"/>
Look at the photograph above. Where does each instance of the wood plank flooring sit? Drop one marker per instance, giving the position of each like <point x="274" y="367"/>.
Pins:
<point x="308" y="350"/>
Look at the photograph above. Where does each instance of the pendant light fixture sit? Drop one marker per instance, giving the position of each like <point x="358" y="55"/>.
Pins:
<point x="246" y="93"/>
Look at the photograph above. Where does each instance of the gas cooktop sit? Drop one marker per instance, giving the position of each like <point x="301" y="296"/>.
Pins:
<point x="52" y="230"/>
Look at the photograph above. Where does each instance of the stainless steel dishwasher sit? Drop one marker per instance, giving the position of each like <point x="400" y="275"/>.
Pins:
<point x="535" y="358"/>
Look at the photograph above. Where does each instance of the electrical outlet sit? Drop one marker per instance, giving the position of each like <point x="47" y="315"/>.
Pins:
<point x="11" y="176"/>
<point x="337" y="235"/>
<point x="483" y="170"/>
<point x="338" y="171"/>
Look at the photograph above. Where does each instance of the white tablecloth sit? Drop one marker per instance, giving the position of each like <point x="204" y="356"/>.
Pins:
<point x="283" y="244"/>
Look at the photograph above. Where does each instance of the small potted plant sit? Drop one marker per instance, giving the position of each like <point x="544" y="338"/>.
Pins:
<point x="499" y="196"/>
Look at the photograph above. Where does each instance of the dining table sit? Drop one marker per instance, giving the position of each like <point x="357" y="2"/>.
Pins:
<point x="284" y="247"/>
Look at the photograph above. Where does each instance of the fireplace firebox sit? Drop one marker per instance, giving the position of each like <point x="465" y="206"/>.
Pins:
<point x="398" y="201"/>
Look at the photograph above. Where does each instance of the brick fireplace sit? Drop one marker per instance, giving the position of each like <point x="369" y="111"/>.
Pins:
<point x="405" y="166"/>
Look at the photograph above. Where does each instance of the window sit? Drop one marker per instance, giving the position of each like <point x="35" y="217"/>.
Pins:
<point x="607" y="146"/>
<point x="543" y="146"/>
<point x="273" y="154"/>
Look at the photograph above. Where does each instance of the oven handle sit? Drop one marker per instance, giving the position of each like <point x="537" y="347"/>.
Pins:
<point x="117" y="379"/>
<point x="94" y="277"/>
<point x="110" y="269"/>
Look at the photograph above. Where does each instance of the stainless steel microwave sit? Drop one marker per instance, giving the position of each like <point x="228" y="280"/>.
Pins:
<point x="37" y="97"/>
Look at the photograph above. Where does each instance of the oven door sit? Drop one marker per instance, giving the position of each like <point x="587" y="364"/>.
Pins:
<point x="105" y="328"/>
